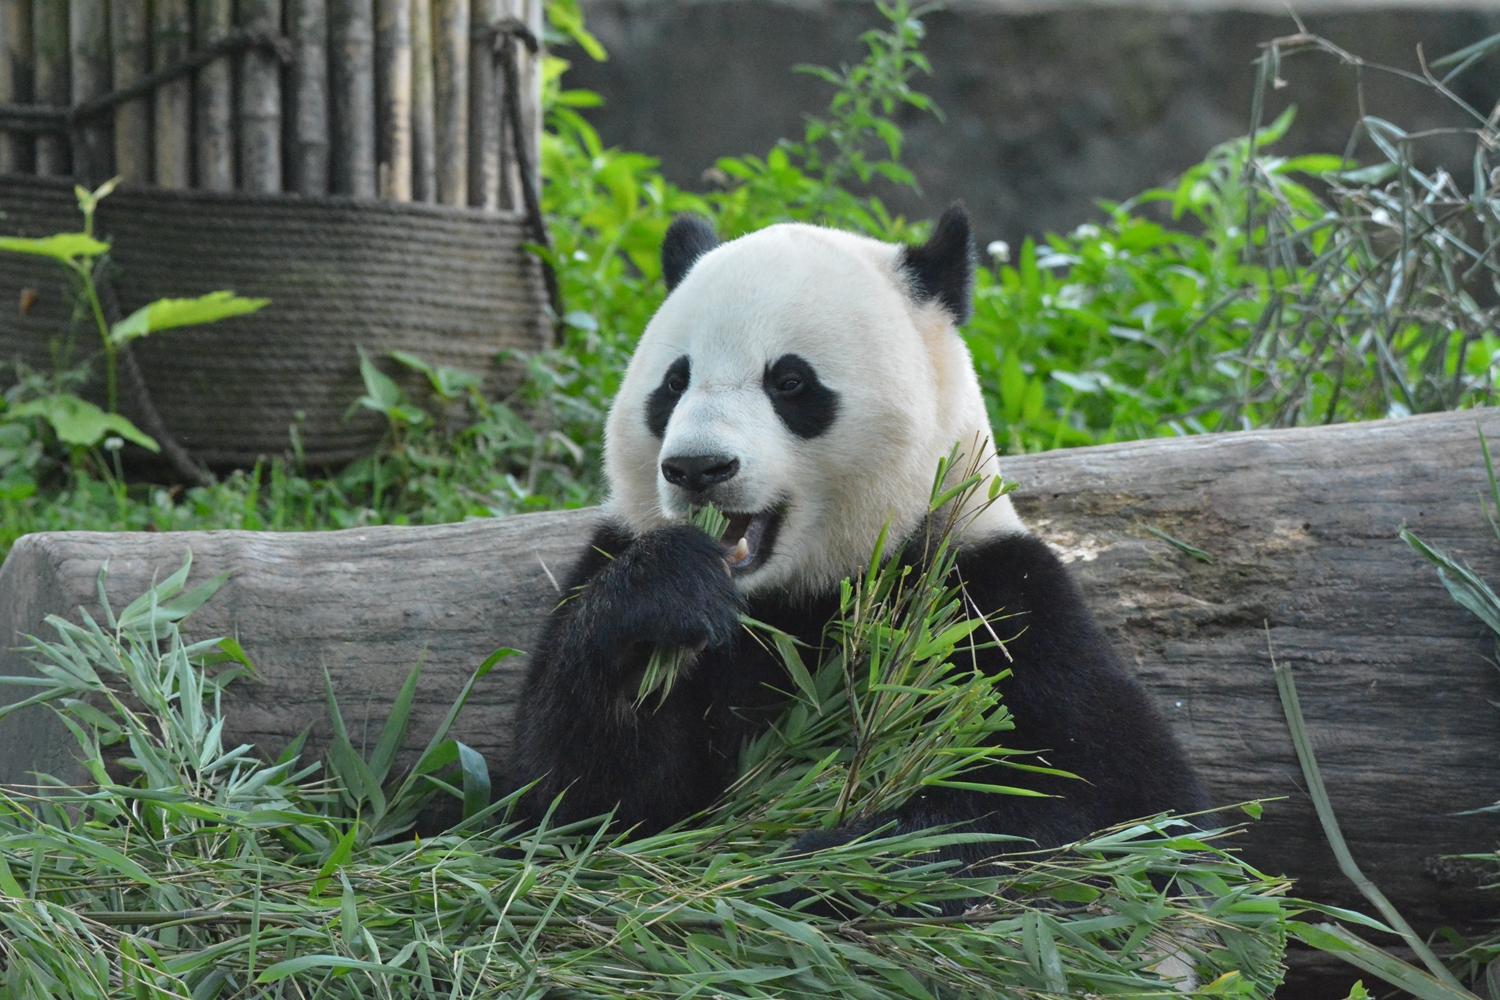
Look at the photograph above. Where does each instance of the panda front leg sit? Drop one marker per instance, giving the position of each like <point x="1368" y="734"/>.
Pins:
<point x="579" y="730"/>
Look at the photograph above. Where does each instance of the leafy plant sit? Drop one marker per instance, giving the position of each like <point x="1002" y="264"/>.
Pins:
<point x="76" y="421"/>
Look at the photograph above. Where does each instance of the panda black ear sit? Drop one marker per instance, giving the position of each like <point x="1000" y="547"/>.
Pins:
<point x="943" y="267"/>
<point x="688" y="238"/>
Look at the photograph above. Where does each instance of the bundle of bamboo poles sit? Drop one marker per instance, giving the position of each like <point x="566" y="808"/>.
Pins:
<point x="400" y="100"/>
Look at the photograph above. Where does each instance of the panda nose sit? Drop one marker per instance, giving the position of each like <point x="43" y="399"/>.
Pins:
<point x="696" y="473"/>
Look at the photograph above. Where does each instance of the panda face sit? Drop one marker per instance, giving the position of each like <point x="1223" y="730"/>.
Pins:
<point x="795" y="381"/>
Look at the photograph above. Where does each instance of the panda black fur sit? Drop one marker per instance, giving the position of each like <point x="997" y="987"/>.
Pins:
<point x="812" y="379"/>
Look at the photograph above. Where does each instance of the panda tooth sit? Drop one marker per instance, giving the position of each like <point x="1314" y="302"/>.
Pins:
<point x="740" y="552"/>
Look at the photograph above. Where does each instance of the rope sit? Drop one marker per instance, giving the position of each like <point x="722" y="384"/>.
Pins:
<point x="46" y="118"/>
<point x="505" y="34"/>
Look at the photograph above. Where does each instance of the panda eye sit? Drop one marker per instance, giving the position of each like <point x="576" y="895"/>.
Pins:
<point x="677" y="383"/>
<point x="788" y="384"/>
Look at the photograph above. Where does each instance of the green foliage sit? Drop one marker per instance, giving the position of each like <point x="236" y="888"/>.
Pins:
<point x="1276" y="305"/>
<point x="77" y="422"/>
<point x="304" y="880"/>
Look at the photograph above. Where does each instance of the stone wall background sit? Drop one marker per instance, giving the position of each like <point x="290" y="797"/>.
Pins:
<point x="1049" y="106"/>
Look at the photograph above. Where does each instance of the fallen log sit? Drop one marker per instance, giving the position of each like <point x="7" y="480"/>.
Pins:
<point x="1300" y="527"/>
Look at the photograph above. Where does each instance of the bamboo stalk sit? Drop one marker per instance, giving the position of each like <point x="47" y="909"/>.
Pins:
<point x="531" y="91"/>
<point x="213" y="99"/>
<point x="130" y="45"/>
<point x="393" y="87"/>
<point x="352" y="74"/>
<point x="450" y="45"/>
<point x="260" y="102"/>
<point x="424" y="164"/>
<point x="307" y="20"/>
<point x="17" y="149"/>
<point x="88" y="48"/>
<point x="172" y="104"/>
<point x="484" y="107"/>
<point x="50" y="85"/>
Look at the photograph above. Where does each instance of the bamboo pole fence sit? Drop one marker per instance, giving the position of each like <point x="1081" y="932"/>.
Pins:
<point x="396" y="100"/>
<point x="16" y="150"/>
<point x="130" y="56"/>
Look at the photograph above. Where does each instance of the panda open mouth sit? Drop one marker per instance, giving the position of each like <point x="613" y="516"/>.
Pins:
<point x="749" y="539"/>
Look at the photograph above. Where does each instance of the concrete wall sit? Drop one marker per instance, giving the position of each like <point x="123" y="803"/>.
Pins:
<point x="1049" y="105"/>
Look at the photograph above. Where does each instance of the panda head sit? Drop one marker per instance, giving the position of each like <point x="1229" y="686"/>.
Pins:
<point x="806" y="382"/>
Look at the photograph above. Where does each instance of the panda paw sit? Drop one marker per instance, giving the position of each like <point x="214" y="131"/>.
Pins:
<point x="671" y="587"/>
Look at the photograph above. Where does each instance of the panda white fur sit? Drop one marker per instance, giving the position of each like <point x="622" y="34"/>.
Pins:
<point x="807" y="381"/>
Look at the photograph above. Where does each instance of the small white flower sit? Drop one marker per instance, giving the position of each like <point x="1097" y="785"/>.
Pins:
<point x="1087" y="231"/>
<point x="1000" y="251"/>
<point x="113" y="443"/>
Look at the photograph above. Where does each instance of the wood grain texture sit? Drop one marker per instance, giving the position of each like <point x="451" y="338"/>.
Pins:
<point x="1302" y="524"/>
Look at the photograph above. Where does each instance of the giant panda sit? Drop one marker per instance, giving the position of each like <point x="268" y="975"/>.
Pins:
<point x="807" y="382"/>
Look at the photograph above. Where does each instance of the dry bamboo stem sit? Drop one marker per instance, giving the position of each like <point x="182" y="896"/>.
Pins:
<point x="423" y="180"/>
<point x="260" y="102"/>
<point x="88" y="47"/>
<point x="531" y="91"/>
<point x="49" y="37"/>
<point x="450" y="44"/>
<point x="307" y="21"/>
<point x="484" y="107"/>
<point x="213" y="99"/>
<point x="172" y="104"/>
<point x="17" y="150"/>
<point x="352" y="74"/>
<point x="130" y="45"/>
<point x="393" y="87"/>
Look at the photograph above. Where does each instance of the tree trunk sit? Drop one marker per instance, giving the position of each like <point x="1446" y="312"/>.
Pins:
<point x="1395" y="679"/>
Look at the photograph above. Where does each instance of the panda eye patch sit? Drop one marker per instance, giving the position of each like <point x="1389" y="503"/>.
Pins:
<point x="663" y="399"/>
<point x="805" y="405"/>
